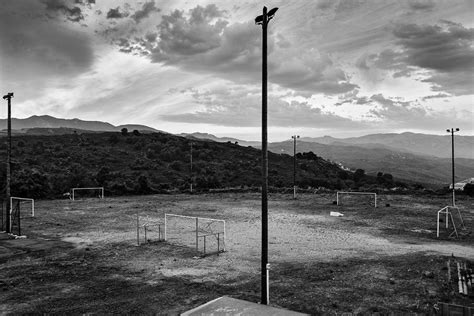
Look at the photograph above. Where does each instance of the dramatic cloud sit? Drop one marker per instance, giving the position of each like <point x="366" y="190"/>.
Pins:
<point x="203" y="41"/>
<point x="116" y="14"/>
<point x="445" y="51"/>
<point x="146" y="10"/>
<point x="241" y="106"/>
<point x="36" y="51"/>
<point x="73" y="13"/>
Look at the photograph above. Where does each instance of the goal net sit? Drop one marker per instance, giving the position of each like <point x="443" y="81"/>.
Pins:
<point x="26" y="203"/>
<point x="87" y="192"/>
<point x="206" y="235"/>
<point x="356" y="197"/>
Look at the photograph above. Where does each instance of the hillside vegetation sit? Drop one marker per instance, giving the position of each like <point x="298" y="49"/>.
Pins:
<point x="135" y="163"/>
<point x="402" y="165"/>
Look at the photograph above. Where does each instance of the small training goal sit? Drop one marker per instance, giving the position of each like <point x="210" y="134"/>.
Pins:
<point x="92" y="192"/>
<point x="20" y="200"/>
<point x="206" y="235"/>
<point x="448" y="211"/>
<point x="370" y="195"/>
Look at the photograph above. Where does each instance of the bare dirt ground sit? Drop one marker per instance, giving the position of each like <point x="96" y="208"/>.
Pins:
<point x="82" y="256"/>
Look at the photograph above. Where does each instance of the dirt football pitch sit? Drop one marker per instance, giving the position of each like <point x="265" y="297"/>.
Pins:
<point x="82" y="257"/>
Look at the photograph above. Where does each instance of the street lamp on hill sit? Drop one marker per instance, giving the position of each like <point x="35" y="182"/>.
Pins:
<point x="294" y="164"/>
<point x="8" y="97"/>
<point x="452" y="131"/>
<point x="263" y="21"/>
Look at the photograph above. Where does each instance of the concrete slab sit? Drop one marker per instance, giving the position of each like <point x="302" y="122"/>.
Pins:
<point x="227" y="306"/>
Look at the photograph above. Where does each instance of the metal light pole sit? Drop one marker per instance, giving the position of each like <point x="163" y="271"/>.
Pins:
<point x="294" y="164"/>
<point x="263" y="20"/>
<point x="191" y="168"/>
<point x="452" y="131"/>
<point x="8" y="97"/>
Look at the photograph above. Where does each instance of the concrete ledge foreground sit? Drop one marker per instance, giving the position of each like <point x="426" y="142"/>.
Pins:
<point x="227" y="306"/>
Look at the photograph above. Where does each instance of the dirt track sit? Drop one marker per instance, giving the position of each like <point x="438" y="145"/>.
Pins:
<point x="308" y="249"/>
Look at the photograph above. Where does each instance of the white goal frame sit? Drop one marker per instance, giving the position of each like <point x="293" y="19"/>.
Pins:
<point x="356" y="193"/>
<point x="197" y="228"/>
<point x="94" y="188"/>
<point x="23" y="199"/>
<point x="448" y="211"/>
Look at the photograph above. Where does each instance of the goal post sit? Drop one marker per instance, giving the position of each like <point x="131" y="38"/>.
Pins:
<point x="206" y="235"/>
<point x="20" y="199"/>
<point x="340" y="193"/>
<point x="100" y="189"/>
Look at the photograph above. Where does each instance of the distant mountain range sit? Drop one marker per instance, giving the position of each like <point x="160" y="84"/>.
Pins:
<point x="401" y="164"/>
<point x="431" y="145"/>
<point x="418" y="157"/>
<point x="207" y="136"/>
<point x="41" y="124"/>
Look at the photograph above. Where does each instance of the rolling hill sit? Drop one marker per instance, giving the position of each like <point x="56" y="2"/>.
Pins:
<point x="397" y="154"/>
<point x="402" y="165"/>
<point x="48" y="166"/>
<point x="41" y="125"/>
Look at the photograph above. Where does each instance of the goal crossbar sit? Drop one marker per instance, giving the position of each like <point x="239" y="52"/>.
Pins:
<point x="92" y="188"/>
<point x="196" y="230"/>
<point x="23" y="199"/>
<point x="355" y="193"/>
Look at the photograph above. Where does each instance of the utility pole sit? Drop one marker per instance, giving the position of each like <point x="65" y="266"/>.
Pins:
<point x="8" y="228"/>
<point x="294" y="164"/>
<point x="263" y="20"/>
<point x="191" y="168"/>
<point x="452" y="131"/>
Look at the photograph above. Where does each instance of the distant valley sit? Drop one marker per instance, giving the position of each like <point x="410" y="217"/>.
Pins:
<point x="411" y="156"/>
<point x="416" y="157"/>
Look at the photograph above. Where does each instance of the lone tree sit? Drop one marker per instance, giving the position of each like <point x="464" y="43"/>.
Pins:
<point x="124" y="131"/>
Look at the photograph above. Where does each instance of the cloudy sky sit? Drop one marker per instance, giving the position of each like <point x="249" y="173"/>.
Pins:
<point x="340" y="68"/>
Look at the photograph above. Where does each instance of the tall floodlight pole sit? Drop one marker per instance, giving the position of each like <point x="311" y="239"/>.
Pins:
<point x="452" y="131"/>
<point x="191" y="169"/>
<point x="8" y="97"/>
<point x="263" y="20"/>
<point x="294" y="164"/>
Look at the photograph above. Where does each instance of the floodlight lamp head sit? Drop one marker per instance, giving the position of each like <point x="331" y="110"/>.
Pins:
<point x="457" y="129"/>
<point x="271" y="13"/>
<point x="8" y="96"/>
<point x="448" y="131"/>
<point x="259" y="20"/>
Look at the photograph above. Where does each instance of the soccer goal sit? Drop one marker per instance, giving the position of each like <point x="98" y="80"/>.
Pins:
<point x="448" y="212"/>
<point x="21" y="200"/>
<point x="206" y="235"/>
<point x="340" y="194"/>
<point x="100" y="191"/>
